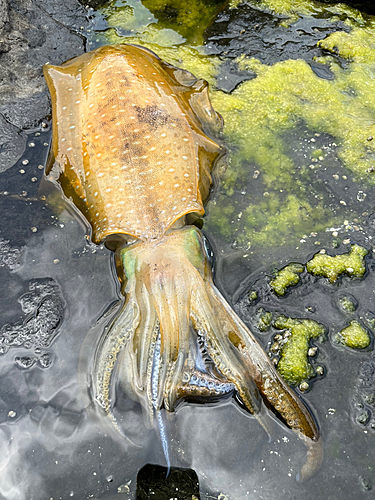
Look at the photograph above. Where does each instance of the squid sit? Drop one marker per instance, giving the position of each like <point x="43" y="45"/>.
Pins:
<point x="134" y="145"/>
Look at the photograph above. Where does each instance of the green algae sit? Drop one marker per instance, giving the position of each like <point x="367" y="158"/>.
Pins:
<point x="190" y="18"/>
<point x="264" y="320"/>
<point x="274" y="103"/>
<point x="286" y="277"/>
<point x="354" y="336"/>
<point x="294" y="365"/>
<point x="283" y="201"/>
<point x="351" y="263"/>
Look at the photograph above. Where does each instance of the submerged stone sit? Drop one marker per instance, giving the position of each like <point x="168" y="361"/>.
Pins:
<point x="351" y="263"/>
<point x="347" y="304"/>
<point x="354" y="336"/>
<point x="286" y="277"/>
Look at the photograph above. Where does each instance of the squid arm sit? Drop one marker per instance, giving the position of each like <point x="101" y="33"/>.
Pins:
<point x="171" y="305"/>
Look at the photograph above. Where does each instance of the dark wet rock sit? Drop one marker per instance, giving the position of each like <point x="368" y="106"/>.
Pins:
<point x="94" y="4"/>
<point x="154" y="482"/>
<point x="4" y="15"/>
<point x="12" y="143"/>
<point x="32" y="33"/>
<point x="246" y="30"/>
<point x="230" y="76"/>
<point x="20" y="187"/>
<point x="321" y="70"/>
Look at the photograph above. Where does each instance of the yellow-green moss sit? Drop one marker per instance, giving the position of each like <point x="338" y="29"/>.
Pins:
<point x="264" y="319"/>
<point x="286" y="277"/>
<point x="351" y="263"/>
<point x="296" y="8"/>
<point x="293" y="365"/>
<point x="190" y="17"/>
<point x="354" y="336"/>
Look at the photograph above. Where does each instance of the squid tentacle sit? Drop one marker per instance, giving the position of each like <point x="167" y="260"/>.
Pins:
<point x="173" y="312"/>
<point x="110" y="346"/>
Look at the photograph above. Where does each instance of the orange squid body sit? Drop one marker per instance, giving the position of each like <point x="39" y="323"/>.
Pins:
<point x="128" y="138"/>
<point x="133" y="147"/>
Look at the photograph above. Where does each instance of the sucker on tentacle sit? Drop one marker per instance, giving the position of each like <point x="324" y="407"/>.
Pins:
<point x="133" y="148"/>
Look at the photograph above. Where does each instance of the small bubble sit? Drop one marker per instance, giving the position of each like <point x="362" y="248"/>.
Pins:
<point x="12" y="414"/>
<point x="56" y="261"/>
<point x="45" y="143"/>
<point x="25" y="162"/>
<point x="40" y="167"/>
<point x="22" y="171"/>
<point x="31" y="144"/>
<point x="34" y="229"/>
<point x="34" y="179"/>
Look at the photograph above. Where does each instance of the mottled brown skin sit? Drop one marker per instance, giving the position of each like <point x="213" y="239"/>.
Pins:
<point x="132" y="148"/>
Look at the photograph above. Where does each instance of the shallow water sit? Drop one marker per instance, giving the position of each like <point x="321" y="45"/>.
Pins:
<point x="55" y="282"/>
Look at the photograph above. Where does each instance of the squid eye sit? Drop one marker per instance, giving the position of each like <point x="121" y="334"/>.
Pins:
<point x="208" y="251"/>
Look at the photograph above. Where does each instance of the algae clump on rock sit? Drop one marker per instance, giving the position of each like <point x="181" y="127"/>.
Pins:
<point x="293" y="364"/>
<point x="351" y="263"/>
<point x="286" y="277"/>
<point x="354" y="336"/>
